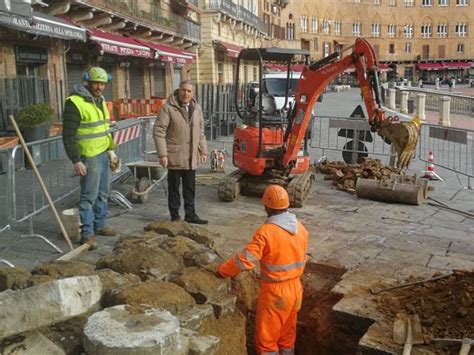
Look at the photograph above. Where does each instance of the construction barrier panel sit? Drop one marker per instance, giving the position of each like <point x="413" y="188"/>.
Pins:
<point x="452" y="148"/>
<point x="134" y="108"/>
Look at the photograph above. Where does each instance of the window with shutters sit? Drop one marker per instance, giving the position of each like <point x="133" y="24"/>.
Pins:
<point x="441" y="51"/>
<point x="356" y="29"/>
<point x="443" y="2"/>
<point x="461" y="29"/>
<point x="442" y="30"/>
<point x="462" y="2"/>
<point x="337" y="28"/>
<point x="304" y="24"/>
<point x="409" y="3"/>
<point x="375" y="30"/>
<point x="407" y="47"/>
<point x="391" y="48"/>
<point x="377" y="2"/>
<point x="408" y="31"/>
<point x="326" y="27"/>
<point x="314" y="25"/>
<point x="392" y="3"/>
<point x="426" y="31"/>
<point x="426" y="2"/>
<point x="460" y="48"/>
<point x="391" y="30"/>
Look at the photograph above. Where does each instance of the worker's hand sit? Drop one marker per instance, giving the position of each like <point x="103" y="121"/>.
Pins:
<point x="114" y="162"/>
<point x="202" y="158"/>
<point x="164" y="161"/>
<point x="80" y="168"/>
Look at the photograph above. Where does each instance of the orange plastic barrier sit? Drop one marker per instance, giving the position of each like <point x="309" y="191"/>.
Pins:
<point x="110" y="107"/>
<point x="132" y="108"/>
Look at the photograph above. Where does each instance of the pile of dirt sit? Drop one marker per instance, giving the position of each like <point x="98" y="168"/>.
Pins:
<point x="445" y="306"/>
<point x="344" y="176"/>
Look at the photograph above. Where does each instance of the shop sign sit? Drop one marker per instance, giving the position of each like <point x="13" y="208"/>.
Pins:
<point x="125" y="51"/>
<point x="19" y="7"/>
<point x="31" y="54"/>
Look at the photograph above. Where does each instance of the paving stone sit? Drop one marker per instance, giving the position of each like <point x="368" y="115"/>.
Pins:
<point x="450" y="263"/>
<point x="374" y="340"/>
<point x="405" y="257"/>
<point x="462" y="248"/>
<point x="117" y="331"/>
<point x="194" y="317"/>
<point x="419" y="238"/>
<point x="31" y="343"/>
<point x="448" y="233"/>
<point x="411" y="246"/>
<point x="47" y="303"/>
<point x="224" y="305"/>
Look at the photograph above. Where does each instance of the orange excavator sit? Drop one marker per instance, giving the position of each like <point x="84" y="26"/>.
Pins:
<point x="271" y="146"/>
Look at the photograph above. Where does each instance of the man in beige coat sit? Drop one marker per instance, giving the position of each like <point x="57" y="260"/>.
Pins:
<point x="181" y="146"/>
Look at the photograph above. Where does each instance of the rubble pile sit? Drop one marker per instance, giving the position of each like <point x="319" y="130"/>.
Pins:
<point x="445" y="308"/>
<point x="156" y="293"/>
<point x="344" y="176"/>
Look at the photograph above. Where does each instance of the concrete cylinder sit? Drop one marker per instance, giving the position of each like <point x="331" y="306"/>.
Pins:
<point x="404" y="102"/>
<point x="444" y="111"/>
<point x="391" y="99"/>
<point x="116" y="330"/>
<point x="420" y="106"/>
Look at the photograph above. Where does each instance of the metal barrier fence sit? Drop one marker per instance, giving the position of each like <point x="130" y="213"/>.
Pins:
<point x="23" y="197"/>
<point x="452" y="148"/>
<point x="348" y="138"/>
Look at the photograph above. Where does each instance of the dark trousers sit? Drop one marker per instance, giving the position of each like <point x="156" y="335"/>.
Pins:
<point x="188" y="178"/>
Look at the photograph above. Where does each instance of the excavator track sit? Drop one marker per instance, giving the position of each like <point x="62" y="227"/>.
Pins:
<point x="229" y="186"/>
<point x="299" y="187"/>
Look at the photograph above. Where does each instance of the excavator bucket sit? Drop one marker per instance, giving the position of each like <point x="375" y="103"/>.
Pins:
<point x="404" y="136"/>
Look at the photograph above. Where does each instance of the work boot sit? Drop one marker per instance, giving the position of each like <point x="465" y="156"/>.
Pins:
<point x="106" y="231"/>
<point x="196" y="220"/>
<point x="91" y="240"/>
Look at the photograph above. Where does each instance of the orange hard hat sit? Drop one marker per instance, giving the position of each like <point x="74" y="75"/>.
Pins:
<point x="276" y="197"/>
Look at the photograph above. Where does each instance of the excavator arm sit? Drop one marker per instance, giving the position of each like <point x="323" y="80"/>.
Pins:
<point x="318" y="75"/>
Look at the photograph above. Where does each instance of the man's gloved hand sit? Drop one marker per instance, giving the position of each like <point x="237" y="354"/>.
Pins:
<point x="114" y="162"/>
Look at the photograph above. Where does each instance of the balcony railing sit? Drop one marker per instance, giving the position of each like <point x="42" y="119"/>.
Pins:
<point x="150" y="14"/>
<point x="228" y="7"/>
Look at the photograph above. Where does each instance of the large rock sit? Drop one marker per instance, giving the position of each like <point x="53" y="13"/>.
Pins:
<point x="192" y="253"/>
<point x="59" y="269"/>
<point x="202" y="284"/>
<point x="151" y="294"/>
<point x="116" y="330"/>
<point x="14" y="278"/>
<point x="31" y="343"/>
<point x="47" y="303"/>
<point x="198" y="234"/>
<point x="142" y="257"/>
<point x="111" y="279"/>
<point x="193" y="318"/>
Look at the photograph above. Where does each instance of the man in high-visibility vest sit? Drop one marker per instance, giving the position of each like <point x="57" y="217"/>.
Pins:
<point x="279" y="246"/>
<point x="88" y="144"/>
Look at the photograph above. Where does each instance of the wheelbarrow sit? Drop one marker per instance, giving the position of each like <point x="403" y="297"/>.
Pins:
<point x="147" y="175"/>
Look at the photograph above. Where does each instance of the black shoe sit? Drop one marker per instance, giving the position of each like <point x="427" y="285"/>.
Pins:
<point x="196" y="220"/>
<point x="175" y="219"/>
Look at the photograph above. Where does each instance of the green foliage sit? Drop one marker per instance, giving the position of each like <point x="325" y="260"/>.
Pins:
<point x="34" y="116"/>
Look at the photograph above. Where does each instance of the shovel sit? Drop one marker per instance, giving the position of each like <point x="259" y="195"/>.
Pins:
<point x="466" y="344"/>
<point x="407" y="331"/>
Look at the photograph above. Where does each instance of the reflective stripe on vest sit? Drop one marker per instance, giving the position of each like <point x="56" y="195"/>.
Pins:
<point x="287" y="267"/>
<point x="270" y="353"/>
<point x="93" y="135"/>
<point x="287" y="351"/>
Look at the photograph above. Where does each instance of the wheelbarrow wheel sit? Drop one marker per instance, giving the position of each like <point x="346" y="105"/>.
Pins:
<point x="142" y="186"/>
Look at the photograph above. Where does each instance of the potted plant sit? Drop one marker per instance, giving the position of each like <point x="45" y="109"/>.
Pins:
<point x="34" y="121"/>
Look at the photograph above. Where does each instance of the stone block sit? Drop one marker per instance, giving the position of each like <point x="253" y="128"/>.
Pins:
<point x="224" y="305"/>
<point x="115" y="330"/>
<point x="194" y="317"/>
<point x="60" y="269"/>
<point x="203" y="345"/>
<point x="47" y="303"/>
<point x="31" y="343"/>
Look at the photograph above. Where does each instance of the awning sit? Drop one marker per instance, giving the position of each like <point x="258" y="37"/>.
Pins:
<point x="120" y="45"/>
<point x="457" y="65"/>
<point x="44" y="25"/>
<point x="384" y="67"/>
<point x="232" y="50"/>
<point x="169" y="54"/>
<point x="430" y="66"/>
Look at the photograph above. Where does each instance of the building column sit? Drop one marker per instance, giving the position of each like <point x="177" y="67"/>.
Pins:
<point x="391" y="99"/>
<point x="420" y="106"/>
<point x="404" y="101"/>
<point x="444" y="111"/>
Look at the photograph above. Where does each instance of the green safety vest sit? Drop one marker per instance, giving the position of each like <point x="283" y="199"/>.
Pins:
<point x="93" y="136"/>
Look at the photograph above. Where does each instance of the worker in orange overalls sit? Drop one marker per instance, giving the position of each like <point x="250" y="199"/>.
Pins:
<point x="279" y="245"/>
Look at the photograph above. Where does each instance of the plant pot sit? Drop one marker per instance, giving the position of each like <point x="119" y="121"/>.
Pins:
<point x="35" y="134"/>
